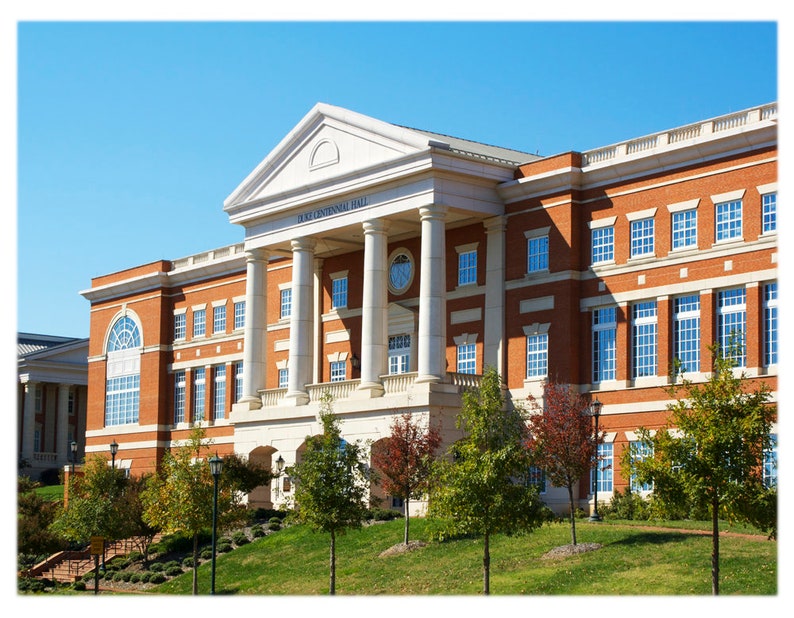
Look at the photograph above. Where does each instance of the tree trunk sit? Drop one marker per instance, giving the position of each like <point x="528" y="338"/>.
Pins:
<point x="407" y="519"/>
<point x="715" y="545"/>
<point x="573" y="518"/>
<point x="332" y="586"/>
<point x="195" y="563"/>
<point x="486" y="566"/>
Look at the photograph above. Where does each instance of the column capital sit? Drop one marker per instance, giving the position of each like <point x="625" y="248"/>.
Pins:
<point x="494" y="224"/>
<point x="304" y="243"/>
<point x="258" y="254"/>
<point x="374" y="226"/>
<point x="433" y="211"/>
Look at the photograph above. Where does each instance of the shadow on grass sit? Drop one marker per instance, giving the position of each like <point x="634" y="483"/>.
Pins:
<point x="651" y="538"/>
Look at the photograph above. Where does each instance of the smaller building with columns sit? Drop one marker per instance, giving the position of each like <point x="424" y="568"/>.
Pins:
<point x="390" y="266"/>
<point x="51" y="403"/>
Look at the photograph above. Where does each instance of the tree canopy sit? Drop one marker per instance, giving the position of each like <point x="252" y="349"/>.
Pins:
<point x="711" y="450"/>
<point x="481" y="487"/>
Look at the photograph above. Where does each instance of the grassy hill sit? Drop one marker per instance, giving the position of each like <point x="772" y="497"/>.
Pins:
<point x="633" y="560"/>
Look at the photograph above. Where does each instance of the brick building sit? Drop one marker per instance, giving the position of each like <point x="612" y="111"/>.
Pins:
<point x="390" y="266"/>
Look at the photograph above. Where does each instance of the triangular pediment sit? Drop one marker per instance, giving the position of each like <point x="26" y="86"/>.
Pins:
<point x="330" y="144"/>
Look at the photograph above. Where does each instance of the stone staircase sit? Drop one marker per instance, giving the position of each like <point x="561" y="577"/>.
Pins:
<point x="69" y="566"/>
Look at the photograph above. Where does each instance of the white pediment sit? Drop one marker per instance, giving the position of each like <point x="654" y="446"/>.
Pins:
<point x="330" y="143"/>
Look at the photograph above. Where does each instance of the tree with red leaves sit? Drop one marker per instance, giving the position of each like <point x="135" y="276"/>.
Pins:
<point x="562" y="440"/>
<point x="405" y="460"/>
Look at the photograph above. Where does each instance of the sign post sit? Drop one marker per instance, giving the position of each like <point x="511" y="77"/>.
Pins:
<point x="97" y="549"/>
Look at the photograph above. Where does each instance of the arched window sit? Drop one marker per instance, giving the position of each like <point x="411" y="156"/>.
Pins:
<point x="123" y="384"/>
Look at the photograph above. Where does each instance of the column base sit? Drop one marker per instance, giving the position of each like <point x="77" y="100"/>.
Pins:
<point x="427" y="378"/>
<point x="368" y="390"/>
<point x="247" y="403"/>
<point x="295" y="398"/>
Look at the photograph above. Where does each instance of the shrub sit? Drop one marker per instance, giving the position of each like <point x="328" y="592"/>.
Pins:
<point x="257" y="531"/>
<point x="170" y="564"/>
<point x="240" y="538"/>
<point x="88" y="577"/>
<point x="117" y="577"/>
<point x="135" y="578"/>
<point x="134" y="556"/>
<point x="206" y="554"/>
<point x="126" y="575"/>
<point x="156" y="578"/>
<point x="145" y="577"/>
<point x="626" y="505"/>
<point x="174" y="570"/>
<point x="156" y="567"/>
<point x="187" y="562"/>
<point x="275" y="520"/>
<point x="79" y="585"/>
<point x="224" y="547"/>
<point x="379" y="514"/>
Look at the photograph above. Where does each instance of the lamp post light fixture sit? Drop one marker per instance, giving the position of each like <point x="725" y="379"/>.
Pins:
<point x="114" y="448"/>
<point x="73" y="447"/>
<point x="279" y="468"/>
<point x="595" y="410"/>
<point x="216" y="467"/>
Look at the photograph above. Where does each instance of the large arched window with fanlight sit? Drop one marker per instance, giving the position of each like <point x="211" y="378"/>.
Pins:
<point x="123" y="384"/>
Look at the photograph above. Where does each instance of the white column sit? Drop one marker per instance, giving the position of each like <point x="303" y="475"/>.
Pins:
<point x="29" y="422"/>
<point x="255" y="334"/>
<point x="431" y="359"/>
<point x="493" y="339"/>
<point x="374" y="309"/>
<point x="317" y="297"/>
<point x="301" y="330"/>
<point x="62" y="449"/>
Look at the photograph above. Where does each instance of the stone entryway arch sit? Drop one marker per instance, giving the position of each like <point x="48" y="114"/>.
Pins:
<point x="262" y="496"/>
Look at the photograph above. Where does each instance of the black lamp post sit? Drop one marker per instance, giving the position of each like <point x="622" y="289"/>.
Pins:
<point x="114" y="448"/>
<point x="279" y="468"/>
<point x="216" y="467"/>
<point x="73" y="447"/>
<point x="595" y="410"/>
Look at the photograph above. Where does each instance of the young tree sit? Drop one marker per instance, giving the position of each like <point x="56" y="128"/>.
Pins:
<point x="97" y="502"/>
<point x="179" y="498"/>
<point x="34" y="516"/>
<point x="330" y="486"/>
<point x="710" y="452"/>
<point x="481" y="488"/>
<point x="405" y="459"/>
<point x="562" y="440"/>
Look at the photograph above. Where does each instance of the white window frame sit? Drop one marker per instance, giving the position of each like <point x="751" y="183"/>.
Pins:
<point x="467" y="265"/>
<point x="644" y="339"/>
<point x="239" y="314"/>
<point x="338" y="370"/>
<point x="285" y="303"/>
<point x="218" y="392"/>
<point x="599" y="373"/>
<point x="339" y="291"/>
<point x="180" y="325"/>
<point x="603" y="231"/>
<point x="219" y="319"/>
<point x="537" y="250"/>
<point x="770" y="324"/>
<point x="199" y="394"/>
<point x="180" y="392"/>
<point x="200" y="321"/>
<point x="685" y="322"/>
<point x="727" y="310"/>
<point x="642" y="236"/>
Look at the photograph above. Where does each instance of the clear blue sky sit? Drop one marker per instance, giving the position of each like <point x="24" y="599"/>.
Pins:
<point x="131" y="135"/>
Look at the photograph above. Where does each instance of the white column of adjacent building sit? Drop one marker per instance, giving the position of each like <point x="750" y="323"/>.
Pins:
<point x="255" y="334"/>
<point x="29" y="422"/>
<point x="431" y="358"/>
<point x="493" y="337"/>
<point x="301" y="330"/>
<point x="374" y="309"/>
<point x="62" y="448"/>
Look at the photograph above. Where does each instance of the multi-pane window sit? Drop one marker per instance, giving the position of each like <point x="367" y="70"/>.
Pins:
<point x="537" y="355"/>
<point x="122" y="398"/>
<point x="338" y="371"/>
<point x="180" y="326"/>
<point x="642" y="237"/>
<point x="602" y="472"/>
<point x="770" y="324"/>
<point x="686" y="332"/>
<point x="731" y="318"/>
<point x="537" y="478"/>
<point x="770" y="462"/>
<point x="604" y="344"/>
<point x="339" y="293"/>
<point x="644" y="339"/>
<point x="769" y="212"/>
<point x="685" y="229"/>
<point x="199" y="393"/>
<point x="729" y="220"/>
<point x="239" y="314"/>
<point x="219" y="392"/>
<point x="467" y="267"/>
<point x="537" y="254"/>
<point x="238" y="381"/>
<point x="603" y="244"/>
<point x="286" y="303"/>
<point x="219" y="319"/>
<point x="399" y="354"/>
<point x="283" y="378"/>
<point x="179" y="397"/>
<point x="467" y="358"/>
<point x="70" y="403"/>
<point x="199" y="322"/>
<point x="639" y="451"/>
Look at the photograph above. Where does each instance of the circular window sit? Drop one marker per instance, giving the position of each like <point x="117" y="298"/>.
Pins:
<point x="401" y="271"/>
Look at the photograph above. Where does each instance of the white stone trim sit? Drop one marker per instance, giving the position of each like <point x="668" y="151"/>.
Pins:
<point x="465" y="315"/>
<point x="180" y="311"/>
<point x="472" y="246"/>
<point x="536" y="328"/>
<point x="337" y="336"/>
<point x="220" y="303"/>
<point x="339" y="274"/>
<point x="529" y="305"/>
<point x="682" y="206"/>
<point x="202" y="306"/>
<point x="465" y="339"/>
<point x="767" y="188"/>
<point x="599" y="223"/>
<point x="281" y="345"/>
<point x="537" y="232"/>
<point x="641" y="214"/>
<point x="728" y="196"/>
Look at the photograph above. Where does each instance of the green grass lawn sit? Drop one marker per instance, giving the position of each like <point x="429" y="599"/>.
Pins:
<point x="50" y="492"/>
<point x="632" y="561"/>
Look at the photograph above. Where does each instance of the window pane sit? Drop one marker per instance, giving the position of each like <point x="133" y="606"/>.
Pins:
<point x="686" y="332"/>
<point x="239" y="315"/>
<point x="467" y="268"/>
<point x="219" y="398"/>
<point x="685" y="229"/>
<point x="604" y="344"/>
<point x="339" y="293"/>
<point x="199" y="323"/>
<point x="219" y="319"/>
<point x="729" y="220"/>
<point x="644" y="339"/>
<point x="467" y="358"/>
<point x="642" y="237"/>
<point x="770" y="324"/>
<point x="537" y="355"/>
<point x="538" y="254"/>
<point x="603" y="244"/>
<point x="769" y="205"/>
